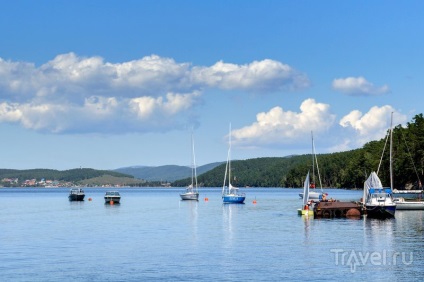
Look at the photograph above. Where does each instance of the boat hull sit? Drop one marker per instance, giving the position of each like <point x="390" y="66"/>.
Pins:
<point x="305" y="212"/>
<point x="230" y="199"/>
<point x="381" y="211"/>
<point x="402" y="204"/>
<point x="76" y="197"/>
<point x="410" y="206"/>
<point x="114" y="200"/>
<point x="190" y="196"/>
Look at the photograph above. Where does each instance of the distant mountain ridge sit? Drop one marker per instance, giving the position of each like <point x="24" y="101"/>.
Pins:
<point x="166" y="173"/>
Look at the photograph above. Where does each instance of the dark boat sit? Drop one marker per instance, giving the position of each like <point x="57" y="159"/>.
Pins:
<point x="76" y="194"/>
<point x="112" y="197"/>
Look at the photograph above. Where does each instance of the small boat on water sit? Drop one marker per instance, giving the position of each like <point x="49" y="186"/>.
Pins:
<point x="112" y="197"/>
<point x="192" y="192"/>
<point x="230" y="194"/>
<point x="76" y="194"/>
<point x="305" y="210"/>
<point x="313" y="195"/>
<point x="378" y="200"/>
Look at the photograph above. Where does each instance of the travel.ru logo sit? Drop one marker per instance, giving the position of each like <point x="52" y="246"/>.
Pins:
<point x="353" y="258"/>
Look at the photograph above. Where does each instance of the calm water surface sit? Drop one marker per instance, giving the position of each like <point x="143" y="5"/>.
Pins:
<point x="153" y="236"/>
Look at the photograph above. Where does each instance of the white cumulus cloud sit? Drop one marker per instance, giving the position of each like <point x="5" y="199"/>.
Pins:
<point x="87" y="94"/>
<point x="372" y="125"/>
<point x="258" y="76"/>
<point x="357" y="86"/>
<point x="278" y="126"/>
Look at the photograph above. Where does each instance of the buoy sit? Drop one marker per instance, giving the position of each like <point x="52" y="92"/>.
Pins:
<point x="353" y="213"/>
<point x="206" y="199"/>
<point x="111" y="202"/>
<point x="254" y="201"/>
<point x="89" y="199"/>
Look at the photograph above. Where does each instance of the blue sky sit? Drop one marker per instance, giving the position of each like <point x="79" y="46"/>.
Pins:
<point x="108" y="84"/>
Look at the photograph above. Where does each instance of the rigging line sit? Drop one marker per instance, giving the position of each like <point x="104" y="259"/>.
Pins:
<point x="316" y="161"/>
<point x="409" y="153"/>
<point x="391" y="152"/>
<point x="384" y="149"/>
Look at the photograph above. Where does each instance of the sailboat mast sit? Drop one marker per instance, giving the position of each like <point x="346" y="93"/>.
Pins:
<point x="229" y="160"/>
<point x="227" y="166"/>
<point x="313" y="158"/>
<point x="194" y="162"/>
<point x="391" y="149"/>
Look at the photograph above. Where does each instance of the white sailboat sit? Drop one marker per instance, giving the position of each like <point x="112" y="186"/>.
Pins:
<point x="305" y="203"/>
<point x="192" y="192"/>
<point x="313" y="195"/>
<point x="230" y="194"/>
<point x="377" y="199"/>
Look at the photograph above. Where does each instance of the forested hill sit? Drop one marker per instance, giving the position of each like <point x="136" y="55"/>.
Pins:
<point x="259" y="172"/>
<point x="167" y="173"/>
<point x="342" y="170"/>
<point x="72" y="175"/>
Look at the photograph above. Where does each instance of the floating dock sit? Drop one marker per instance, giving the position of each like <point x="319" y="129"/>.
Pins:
<point x="331" y="209"/>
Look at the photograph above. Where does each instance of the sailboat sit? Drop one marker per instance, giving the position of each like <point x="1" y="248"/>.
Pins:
<point x="378" y="200"/>
<point x="305" y="203"/>
<point x="313" y="195"/>
<point x="230" y="194"/>
<point x="192" y="192"/>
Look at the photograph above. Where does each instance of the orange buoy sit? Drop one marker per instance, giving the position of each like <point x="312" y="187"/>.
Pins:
<point x="206" y="199"/>
<point x="111" y="202"/>
<point x="353" y="213"/>
<point x="89" y="199"/>
<point x="254" y="201"/>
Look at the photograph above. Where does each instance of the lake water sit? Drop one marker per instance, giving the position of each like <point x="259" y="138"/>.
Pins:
<point x="153" y="236"/>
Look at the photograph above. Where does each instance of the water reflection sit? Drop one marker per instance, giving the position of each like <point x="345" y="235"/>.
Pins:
<point x="76" y="205"/>
<point x="192" y="217"/>
<point x="307" y="225"/>
<point x="394" y="242"/>
<point x="229" y="222"/>
<point x="378" y="234"/>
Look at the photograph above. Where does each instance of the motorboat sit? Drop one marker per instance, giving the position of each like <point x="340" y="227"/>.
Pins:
<point x="76" y="194"/>
<point x="112" y="197"/>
